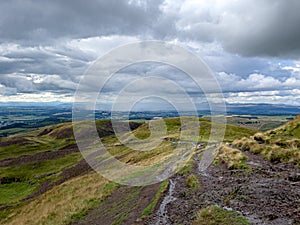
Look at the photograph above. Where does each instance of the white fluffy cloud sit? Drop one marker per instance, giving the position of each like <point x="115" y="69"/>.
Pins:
<point x="270" y="97"/>
<point x="255" y="82"/>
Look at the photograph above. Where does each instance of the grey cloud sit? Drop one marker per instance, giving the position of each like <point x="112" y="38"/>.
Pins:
<point x="43" y="60"/>
<point x="42" y="21"/>
<point x="249" y="27"/>
<point x="55" y="41"/>
<point x="7" y="91"/>
<point x="30" y="83"/>
<point x="271" y="29"/>
<point x="18" y="82"/>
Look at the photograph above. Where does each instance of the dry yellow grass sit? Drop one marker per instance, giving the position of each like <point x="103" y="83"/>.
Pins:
<point x="273" y="146"/>
<point x="232" y="158"/>
<point x="247" y="144"/>
<point x="58" y="204"/>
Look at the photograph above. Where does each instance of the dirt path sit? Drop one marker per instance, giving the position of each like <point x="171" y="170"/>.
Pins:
<point x="269" y="194"/>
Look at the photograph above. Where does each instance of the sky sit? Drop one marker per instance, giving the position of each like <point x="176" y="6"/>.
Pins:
<point x="252" y="46"/>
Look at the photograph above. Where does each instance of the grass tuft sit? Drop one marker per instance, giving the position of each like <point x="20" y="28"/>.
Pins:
<point x="232" y="158"/>
<point x="278" y="146"/>
<point x="214" y="215"/>
<point x="193" y="182"/>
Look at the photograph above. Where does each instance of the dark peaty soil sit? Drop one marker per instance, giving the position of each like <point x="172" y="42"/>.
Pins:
<point x="270" y="194"/>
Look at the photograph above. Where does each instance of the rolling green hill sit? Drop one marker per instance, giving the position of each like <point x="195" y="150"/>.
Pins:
<point x="45" y="164"/>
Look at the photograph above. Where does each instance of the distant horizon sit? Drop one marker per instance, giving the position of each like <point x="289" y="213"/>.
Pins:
<point x="230" y="109"/>
<point x="71" y="103"/>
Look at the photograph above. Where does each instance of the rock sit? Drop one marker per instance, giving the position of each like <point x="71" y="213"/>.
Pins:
<point x="295" y="177"/>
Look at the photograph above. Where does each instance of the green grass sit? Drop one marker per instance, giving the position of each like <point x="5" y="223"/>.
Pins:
<point x="11" y="131"/>
<point x="60" y="204"/>
<point x="193" y="182"/>
<point x="49" y="138"/>
<point x="173" y="131"/>
<point x="149" y="209"/>
<point x="13" y="192"/>
<point x="33" y="171"/>
<point x="187" y="167"/>
<point x="214" y="215"/>
<point x="233" y="132"/>
<point x="108" y="189"/>
<point x="173" y="125"/>
<point x="30" y="176"/>
<point x="32" y="146"/>
<point x="143" y="132"/>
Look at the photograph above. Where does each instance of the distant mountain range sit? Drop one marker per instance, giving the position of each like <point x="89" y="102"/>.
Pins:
<point x="262" y="109"/>
<point x="239" y="109"/>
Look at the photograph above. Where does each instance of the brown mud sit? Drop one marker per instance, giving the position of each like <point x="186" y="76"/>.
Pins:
<point x="266" y="194"/>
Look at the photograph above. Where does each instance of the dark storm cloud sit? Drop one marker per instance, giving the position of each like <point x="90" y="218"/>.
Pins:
<point x="249" y="27"/>
<point x="41" y="21"/>
<point x="269" y="28"/>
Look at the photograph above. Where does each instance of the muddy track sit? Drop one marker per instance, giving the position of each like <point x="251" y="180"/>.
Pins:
<point x="269" y="194"/>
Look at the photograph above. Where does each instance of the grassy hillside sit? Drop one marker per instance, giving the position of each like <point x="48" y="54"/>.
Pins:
<point x="279" y="145"/>
<point x="62" y="203"/>
<point x="45" y="164"/>
<point x="50" y="138"/>
<point x="31" y="163"/>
